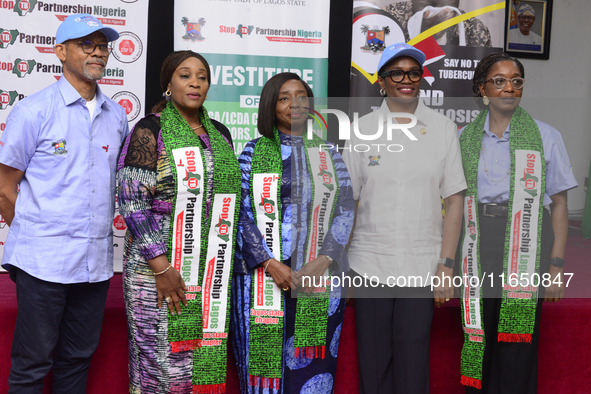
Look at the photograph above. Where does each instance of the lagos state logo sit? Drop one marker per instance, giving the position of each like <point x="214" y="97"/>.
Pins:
<point x="374" y="38"/>
<point x="193" y="29"/>
<point x="60" y="147"/>
<point x="373" y="160"/>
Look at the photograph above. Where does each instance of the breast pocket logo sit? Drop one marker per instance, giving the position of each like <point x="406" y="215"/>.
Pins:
<point x="373" y="160"/>
<point x="60" y="147"/>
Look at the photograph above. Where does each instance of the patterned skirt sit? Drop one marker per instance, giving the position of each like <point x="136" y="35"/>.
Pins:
<point x="300" y="375"/>
<point x="153" y="368"/>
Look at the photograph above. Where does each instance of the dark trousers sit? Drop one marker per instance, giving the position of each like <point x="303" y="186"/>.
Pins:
<point x="508" y="368"/>
<point x="393" y="340"/>
<point x="57" y="325"/>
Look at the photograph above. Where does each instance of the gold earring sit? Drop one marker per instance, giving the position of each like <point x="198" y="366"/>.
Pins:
<point x="168" y="93"/>
<point x="485" y="100"/>
<point x="206" y="97"/>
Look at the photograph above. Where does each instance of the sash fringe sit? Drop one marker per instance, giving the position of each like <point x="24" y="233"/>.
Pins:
<point x="506" y="337"/>
<point x="181" y="346"/>
<point x="310" y="352"/>
<point x="471" y="382"/>
<point x="266" y="383"/>
<point x="209" y="388"/>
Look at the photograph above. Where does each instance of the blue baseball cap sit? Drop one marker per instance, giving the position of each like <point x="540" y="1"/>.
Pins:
<point x="400" y="49"/>
<point x="81" y="25"/>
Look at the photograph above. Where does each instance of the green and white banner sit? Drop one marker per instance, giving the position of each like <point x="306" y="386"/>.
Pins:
<point x="28" y="63"/>
<point x="246" y="43"/>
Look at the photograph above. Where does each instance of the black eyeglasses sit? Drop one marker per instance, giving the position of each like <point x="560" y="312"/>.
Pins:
<point x="89" y="47"/>
<point x="398" y="76"/>
<point x="501" y="82"/>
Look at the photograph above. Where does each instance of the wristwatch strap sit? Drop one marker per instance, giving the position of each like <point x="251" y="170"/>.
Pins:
<point x="557" y="262"/>
<point x="447" y="262"/>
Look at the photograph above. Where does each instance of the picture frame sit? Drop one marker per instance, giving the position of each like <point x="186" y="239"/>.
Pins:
<point x="528" y="28"/>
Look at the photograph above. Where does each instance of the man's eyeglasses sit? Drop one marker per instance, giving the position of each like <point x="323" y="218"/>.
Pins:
<point x="398" y="76"/>
<point x="501" y="82"/>
<point x="89" y="47"/>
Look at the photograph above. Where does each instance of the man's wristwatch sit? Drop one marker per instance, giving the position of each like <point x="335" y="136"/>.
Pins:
<point x="557" y="262"/>
<point x="330" y="259"/>
<point x="447" y="262"/>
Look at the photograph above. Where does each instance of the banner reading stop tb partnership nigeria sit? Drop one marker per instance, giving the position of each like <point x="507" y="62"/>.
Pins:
<point x="248" y="42"/>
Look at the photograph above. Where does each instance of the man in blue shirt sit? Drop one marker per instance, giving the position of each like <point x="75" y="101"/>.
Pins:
<point x="60" y="147"/>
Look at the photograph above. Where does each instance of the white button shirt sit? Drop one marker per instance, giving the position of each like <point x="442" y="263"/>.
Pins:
<point x="399" y="223"/>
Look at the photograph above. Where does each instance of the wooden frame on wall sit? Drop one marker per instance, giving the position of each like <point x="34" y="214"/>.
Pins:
<point x="533" y="17"/>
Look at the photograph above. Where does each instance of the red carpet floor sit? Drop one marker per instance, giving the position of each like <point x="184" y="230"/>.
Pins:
<point x="565" y="342"/>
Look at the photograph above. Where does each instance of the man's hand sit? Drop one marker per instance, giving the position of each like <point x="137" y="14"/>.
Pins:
<point x="445" y="291"/>
<point x="9" y="179"/>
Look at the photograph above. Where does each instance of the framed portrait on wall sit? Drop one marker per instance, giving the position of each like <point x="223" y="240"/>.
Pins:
<point x="527" y="28"/>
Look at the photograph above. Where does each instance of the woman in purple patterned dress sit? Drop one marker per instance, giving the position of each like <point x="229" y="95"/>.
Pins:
<point x="153" y="287"/>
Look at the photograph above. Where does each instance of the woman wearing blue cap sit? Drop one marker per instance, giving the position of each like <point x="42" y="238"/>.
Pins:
<point x="400" y="240"/>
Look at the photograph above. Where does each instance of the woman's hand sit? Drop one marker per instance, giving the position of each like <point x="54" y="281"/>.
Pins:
<point x="555" y="292"/>
<point x="281" y="274"/>
<point x="313" y="272"/>
<point x="169" y="285"/>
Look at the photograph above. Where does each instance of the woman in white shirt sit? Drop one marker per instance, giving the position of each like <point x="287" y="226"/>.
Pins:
<point x="400" y="240"/>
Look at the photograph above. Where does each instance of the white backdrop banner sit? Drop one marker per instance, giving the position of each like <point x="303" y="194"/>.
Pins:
<point x="28" y="64"/>
<point x="247" y="42"/>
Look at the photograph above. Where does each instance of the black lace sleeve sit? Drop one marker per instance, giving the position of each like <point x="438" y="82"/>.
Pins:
<point x="223" y="131"/>
<point x="143" y="146"/>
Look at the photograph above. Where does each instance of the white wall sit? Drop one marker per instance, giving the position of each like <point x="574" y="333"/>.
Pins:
<point x="564" y="85"/>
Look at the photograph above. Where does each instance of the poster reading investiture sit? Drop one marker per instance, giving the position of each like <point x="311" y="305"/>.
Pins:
<point x="248" y="42"/>
<point x="28" y="63"/>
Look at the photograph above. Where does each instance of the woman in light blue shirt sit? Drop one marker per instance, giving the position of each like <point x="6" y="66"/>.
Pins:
<point x="514" y="166"/>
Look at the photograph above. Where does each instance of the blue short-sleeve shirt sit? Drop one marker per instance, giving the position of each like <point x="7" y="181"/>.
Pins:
<point x="496" y="153"/>
<point x="62" y="228"/>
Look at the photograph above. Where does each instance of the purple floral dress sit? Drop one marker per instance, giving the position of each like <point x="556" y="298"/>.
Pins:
<point x="145" y="194"/>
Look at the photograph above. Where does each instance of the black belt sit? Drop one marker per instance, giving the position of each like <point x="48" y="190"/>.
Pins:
<point x="494" y="210"/>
